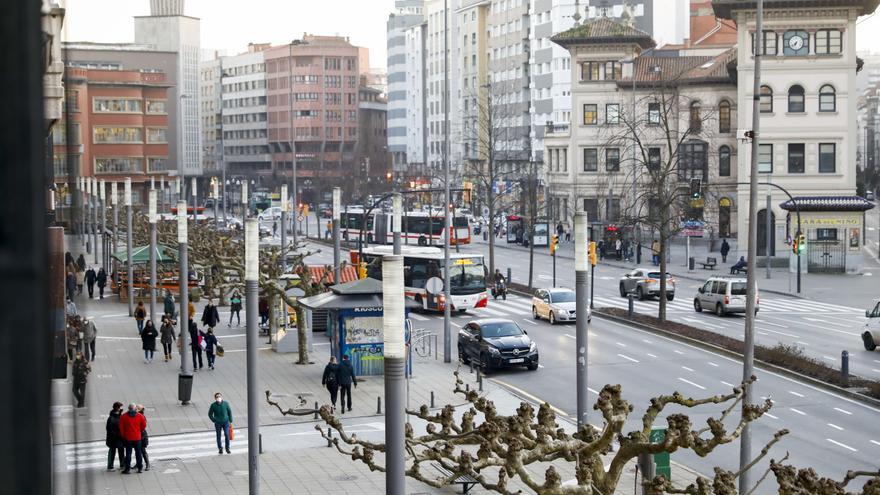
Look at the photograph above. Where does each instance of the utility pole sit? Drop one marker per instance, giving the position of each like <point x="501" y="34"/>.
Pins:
<point x="745" y="445"/>
<point x="128" y="243"/>
<point x="114" y="195"/>
<point x="337" y="205"/>
<point x="194" y="186"/>
<point x="153" y="218"/>
<point x="447" y="316"/>
<point x="102" y="194"/>
<point x="581" y="267"/>
<point x="284" y="208"/>
<point x="216" y="193"/>
<point x="95" y="216"/>
<point x="395" y="364"/>
<point x="185" y="378"/>
<point x="252" y="293"/>
<point x="293" y="140"/>
<point x="768" y="235"/>
<point x="397" y="207"/>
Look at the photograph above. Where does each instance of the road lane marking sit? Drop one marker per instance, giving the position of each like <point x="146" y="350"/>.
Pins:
<point x="835" y="426"/>
<point x="686" y="368"/>
<point x="875" y="442"/>
<point x="783" y="333"/>
<point x="798" y="411"/>
<point x="529" y="321"/>
<point x="770" y="415"/>
<point x="765" y="322"/>
<point x="624" y="356"/>
<point x="844" y="411"/>
<point x="835" y="442"/>
<point x="828" y="358"/>
<point x="795" y="394"/>
<point x="713" y="364"/>
<point x="649" y="342"/>
<point x="677" y="351"/>
<point x="650" y="355"/>
<point x="692" y="383"/>
<point x="572" y="337"/>
<point x="727" y="384"/>
<point x="540" y="366"/>
<point x="592" y="391"/>
<point x="620" y="344"/>
<point x="875" y="370"/>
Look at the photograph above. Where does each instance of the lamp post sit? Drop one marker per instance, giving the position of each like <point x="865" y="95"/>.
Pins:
<point x="252" y="278"/>
<point x="105" y="257"/>
<point x="337" y="206"/>
<point x="397" y="204"/>
<point x="194" y="186"/>
<point x="395" y="363"/>
<point x="284" y="226"/>
<point x="87" y="217"/>
<point x="582" y="267"/>
<point x="154" y="216"/>
<point x="185" y="378"/>
<point x="128" y="242"/>
<point x="114" y="195"/>
<point x="447" y="294"/>
<point x="216" y="193"/>
<point x="244" y="199"/>
<point x="95" y="216"/>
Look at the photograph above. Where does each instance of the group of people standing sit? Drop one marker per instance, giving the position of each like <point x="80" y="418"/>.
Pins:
<point x="127" y="433"/>
<point x="80" y="275"/>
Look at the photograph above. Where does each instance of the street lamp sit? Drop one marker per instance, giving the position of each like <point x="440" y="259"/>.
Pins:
<point x="394" y="351"/>
<point x="252" y="278"/>
<point x="185" y="378"/>
<point x="128" y="243"/>
<point x="581" y="266"/>
<point x="153" y="218"/>
<point x="114" y="196"/>
<point x="284" y="215"/>
<point x="337" y="206"/>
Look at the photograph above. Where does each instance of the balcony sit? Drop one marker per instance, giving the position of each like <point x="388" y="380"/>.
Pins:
<point x="552" y="129"/>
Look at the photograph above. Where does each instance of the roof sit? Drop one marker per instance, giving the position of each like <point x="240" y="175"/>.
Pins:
<point x="358" y="287"/>
<point x="689" y="69"/>
<point x="602" y="30"/>
<point x="725" y="8"/>
<point x="347" y="273"/>
<point x="827" y="203"/>
<point x="364" y="293"/>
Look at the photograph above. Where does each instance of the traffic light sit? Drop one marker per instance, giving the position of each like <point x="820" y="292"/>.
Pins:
<point x="362" y="270"/>
<point x="591" y="253"/>
<point x="696" y="192"/>
<point x="794" y="246"/>
<point x="554" y="241"/>
<point x="801" y="244"/>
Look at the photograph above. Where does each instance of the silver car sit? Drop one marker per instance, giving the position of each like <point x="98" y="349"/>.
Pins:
<point x="723" y="295"/>
<point x="557" y="305"/>
<point x="645" y="282"/>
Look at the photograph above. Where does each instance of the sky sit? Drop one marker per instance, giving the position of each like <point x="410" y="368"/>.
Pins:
<point x="229" y="25"/>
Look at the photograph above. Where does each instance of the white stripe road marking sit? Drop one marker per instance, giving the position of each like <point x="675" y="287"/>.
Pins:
<point x="688" y="369"/>
<point x="829" y="358"/>
<point x="844" y="411"/>
<point x="572" y="337"/>
<point x="647" y="341"/>
<point x="713" y="364"/>
<point x="798" y="411"/>
<point x="842" y="445"/>
<point x="677" y="351"/>
<point x="529" y="321"/>
<point x="875" y="442"/>
<point x="875" y="370"/>
<point x="835" y="426"/>
<point x="692" y="383"/>
<point x="592" y="391"/>
<point x="795" y="394"/>
<point x="650" y="355"/>
<point x="154" y="441"/>
<point x="765" y="322"/>
<point x="727" y="384"/>
<point x="620" y="344"/>
<point x="770" y="415"/>
<point x="782" y="333"/>
<point x="624" y="356"/>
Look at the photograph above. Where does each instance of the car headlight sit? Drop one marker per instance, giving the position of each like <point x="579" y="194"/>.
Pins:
<point x="533" y="347"/>
<point x="494" y="350"/>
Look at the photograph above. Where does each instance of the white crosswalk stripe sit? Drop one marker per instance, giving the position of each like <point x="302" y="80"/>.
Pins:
<point x="418" y="317"/>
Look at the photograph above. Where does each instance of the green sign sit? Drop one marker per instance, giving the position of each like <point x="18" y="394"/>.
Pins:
<point x="661" y="460"/>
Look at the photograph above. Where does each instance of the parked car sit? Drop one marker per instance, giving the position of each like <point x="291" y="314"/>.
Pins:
<point x="645" y="282"/>
<point x="723" y="295"/>
<point x="496" y="343"/>
<point x="871" y="336"/>
<point x="557" y="305"/>
<point x="270" y="214"/>
<point x="869" y="195"/>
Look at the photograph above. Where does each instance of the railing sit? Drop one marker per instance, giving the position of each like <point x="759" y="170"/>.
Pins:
<point x="423" y="342"/>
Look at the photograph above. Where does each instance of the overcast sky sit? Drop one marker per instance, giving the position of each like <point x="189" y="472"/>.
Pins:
<point x="230" y="25"/>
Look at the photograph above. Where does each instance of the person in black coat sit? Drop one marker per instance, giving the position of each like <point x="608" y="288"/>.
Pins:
<point x="113" y="440"/>
<point x="329" y="379"/>
<point x="101" y="279"/>
<point x="70" y="285"/>
<point x="210" y="316"/>
<point x="346" y="378"/>
<point x="725" y="248"/>
<point x="91" y="277"/>
<point x="195" y="345"/>
<point x="145" y="439"/>
<point x="81" y="263"/>
<point x="148" y="337"/>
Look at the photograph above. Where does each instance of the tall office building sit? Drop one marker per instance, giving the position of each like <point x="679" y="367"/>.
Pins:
<point x="245" y="137"/>
<point x="168" y="29"/>
<point x="407" y="15"/>
<point x="442" y="45"/>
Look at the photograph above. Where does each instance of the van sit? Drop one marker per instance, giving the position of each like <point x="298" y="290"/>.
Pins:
<point x="871" y="336"/>
<point x="723" y="295"/>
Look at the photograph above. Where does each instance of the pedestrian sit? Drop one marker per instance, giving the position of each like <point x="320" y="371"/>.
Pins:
<point x="725" y="248"/>
<point x="81" y="370"/>
<point x="70" y="284"/>
<point x="210" y="344"/>
<point x="91" y="277"/>
<point x="148" y="338"/>
<point x="192" y="310"/>
<point x="70" y="308"/>
<point x="112" y="438"/>
<point x="90" y="334"/>
<point x="81" y="263"/>
<point x="739" y="266"/>
<point x="618" y="249"/>
<point x="559" y="230"/>
<point x="68" y="259"/>
<point x="145" y="438"/>
<point x="170" y="309"/>
<point x="329" y="229"/>
<point x="72" y="329"/>
<point x="329" y="380"/>
<point x="655" y="252"/>
<point x="101" y="279"/>
<point x="346" y="378"/>
<point x="210" y="315"/>
<point x="220" y="413"/>
<point x="131" y="427"/>
<point x="235" y="308"/>
<point x="568" y="235"/>
<point x="140" y="314"/>
<point x="274" y="228"/>
<point x="263" y="307"/>
<point x="167" y="337"/>
<point x="601" y="248"/>
<point x="195" y="339"/>
<point x="80" y="280"/>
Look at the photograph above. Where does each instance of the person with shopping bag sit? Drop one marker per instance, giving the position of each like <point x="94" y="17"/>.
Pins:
<point x="220" y="413"/>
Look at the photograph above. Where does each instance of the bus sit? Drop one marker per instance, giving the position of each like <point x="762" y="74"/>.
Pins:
<point x="422" y="228"/>
<point x="351" y="221"/>
<point x="423" y="276"/>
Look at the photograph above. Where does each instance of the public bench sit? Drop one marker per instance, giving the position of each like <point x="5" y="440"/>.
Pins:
<point x="466" y="481"/>
<point x="710" y="263"/>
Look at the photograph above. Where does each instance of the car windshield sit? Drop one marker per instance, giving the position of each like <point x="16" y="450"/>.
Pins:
<point x="468" y="276"/>
<point x="657" y="275"/>
<point x="501" y="329"/>
<point x="562" y="297"/>
<point x="738" y="288"/>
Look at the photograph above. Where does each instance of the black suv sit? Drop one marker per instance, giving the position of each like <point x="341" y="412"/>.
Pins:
<point x="496" y="343"/>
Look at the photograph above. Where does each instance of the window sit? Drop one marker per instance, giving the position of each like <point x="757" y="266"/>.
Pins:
<point x="724" y="117"/>
<point x="612" y="159"/>
<point x="71" y="100"/>
<point x="696" y="121"/>
<point x="116" y="105"/>
<point x="769" y="43"/>
<point x="590" y="114"/>
<point x="118" y="165"/>
<point x="692" y="160"/>
<point x="590" y="71"/>
<point x="766" y="103"/>
<point x="612" y="210"/>
<point x="796" y="158"/>
<point x="826" y="234"/>
<point x="765" y="158"/>
<point x="796" y="43"/>
<point x="613" y="71"/>
<point x="157" y="164"/>
<point x="654" y="113"/>
<point x="59" y="133"/>
<point x="156" y="107"/>
<point x="827" y="158"/>
<point x="654" y="158"/>
<point x="115" y="135"/>
<point x="156" y="135"/>
<point x="591" y="208"/>
<point x="612" y="113"/>
<point x="724" y="161"/>
<point x="827" y="99"/>
<point x="591" y="160"/>
<point x="61" y="163"/>
<point x="828" y="41"/>
<point x="796" y="99"/>
<point x="332" y="63"/>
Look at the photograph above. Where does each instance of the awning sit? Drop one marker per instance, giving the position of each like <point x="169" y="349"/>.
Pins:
<point x="827" y="203"/>
<point x="141" y="254"/>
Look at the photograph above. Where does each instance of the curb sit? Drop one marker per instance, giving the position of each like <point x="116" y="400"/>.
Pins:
<point x="731" y="354"/>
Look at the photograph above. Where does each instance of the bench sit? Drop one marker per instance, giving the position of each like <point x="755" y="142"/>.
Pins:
<point x="466" y="481"/>
<point x="734" y="271"/>
<point x="710" y="263"/>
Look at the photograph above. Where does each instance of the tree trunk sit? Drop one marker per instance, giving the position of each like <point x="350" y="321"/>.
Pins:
<point x="273" y="317"/>
<point x="663" y="246"/>
<point x="302" y="336"/>
<point x="490" y="203"/>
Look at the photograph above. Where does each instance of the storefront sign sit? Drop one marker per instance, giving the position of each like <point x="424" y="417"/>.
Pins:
<point x="831" y="221"/>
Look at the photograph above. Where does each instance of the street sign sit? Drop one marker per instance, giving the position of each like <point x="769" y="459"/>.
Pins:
<point x="299" y="218"/>
<point x="661" y="460"/>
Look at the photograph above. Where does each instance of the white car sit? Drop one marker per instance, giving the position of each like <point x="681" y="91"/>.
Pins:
<point x="871" y="336"/>
<point x="270" y="214"/>
<point x="557" y="305"/>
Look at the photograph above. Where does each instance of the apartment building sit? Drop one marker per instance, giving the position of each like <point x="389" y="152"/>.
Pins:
<point x="245" y="138"/>
<point x="442" y="82"/>
<point x="403" y="24"/>
<point x="210" y="114"/>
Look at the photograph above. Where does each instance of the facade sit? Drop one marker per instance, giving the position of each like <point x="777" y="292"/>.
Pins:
<point x="53" y="88"/>
<point x="473" y="66"/>
<point x="405" y="22"/>
<point x="245" y="139"/>
<point x="168" y="29"/>
<point x="119" y="127"/>
<point x="210" y="114"/>
<point x="415" y="99"/>
<point x="442" y="82"/>
<point x="371" y="150"/>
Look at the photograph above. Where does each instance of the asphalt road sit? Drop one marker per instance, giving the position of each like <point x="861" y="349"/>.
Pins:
<point x="828" y="432"/>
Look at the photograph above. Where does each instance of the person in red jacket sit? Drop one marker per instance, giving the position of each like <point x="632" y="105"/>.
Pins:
<point x="131" y="426"/>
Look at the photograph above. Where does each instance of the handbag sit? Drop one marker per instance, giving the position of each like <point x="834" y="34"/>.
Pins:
<point x="231" y="432"/>
<point x="220" y="350"/>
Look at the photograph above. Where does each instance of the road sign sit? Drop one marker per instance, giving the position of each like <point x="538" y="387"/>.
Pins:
<point x="299" y="218"/>
<point x="661" y="460"/>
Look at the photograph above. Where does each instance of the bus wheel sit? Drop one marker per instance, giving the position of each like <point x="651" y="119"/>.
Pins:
<point x="423" y="241"/>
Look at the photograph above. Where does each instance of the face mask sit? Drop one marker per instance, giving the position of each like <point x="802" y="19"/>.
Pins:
<point x="219" y="399"/>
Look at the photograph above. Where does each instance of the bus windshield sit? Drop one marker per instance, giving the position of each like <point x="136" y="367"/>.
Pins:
<point x="468" y="276"/>
<point x="460" y="222"/>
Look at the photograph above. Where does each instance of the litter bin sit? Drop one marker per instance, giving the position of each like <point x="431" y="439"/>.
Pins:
<point x="184" y="388"/>
<point x="485" y="235"/>
<point x="691" y="263"/>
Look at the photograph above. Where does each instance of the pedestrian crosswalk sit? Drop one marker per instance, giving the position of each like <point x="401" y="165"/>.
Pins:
<point x="93" y="455"/>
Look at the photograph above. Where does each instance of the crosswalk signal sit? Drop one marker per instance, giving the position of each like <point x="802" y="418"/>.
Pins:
<point x="362" y="270"/>
<point x="696" y="192"/>
<point x="591" y="253"/>
<point x="794" y="246"/>
<point x="801" y="244"/>
<point x="554" y="242"/>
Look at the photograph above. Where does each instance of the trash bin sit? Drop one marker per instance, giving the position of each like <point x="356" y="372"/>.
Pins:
<point x="184" y="388"/>
<point x="485" y="235"/>
<point x="691" y="263"/>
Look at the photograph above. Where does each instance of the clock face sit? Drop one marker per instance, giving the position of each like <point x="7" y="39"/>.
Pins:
<point x="796" y="42"/>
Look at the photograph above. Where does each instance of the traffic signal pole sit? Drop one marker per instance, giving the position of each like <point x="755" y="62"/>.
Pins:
<point x="581" y="261"/>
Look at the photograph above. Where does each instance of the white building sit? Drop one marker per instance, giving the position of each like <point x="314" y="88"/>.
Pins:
<point x="404" y="24"/>
<point x="209" y="113"/>
<point x="168" y="29"/>
<point x="442" y="72"/>
<point x="416" y="93"/>
<point x="245" y="137"/>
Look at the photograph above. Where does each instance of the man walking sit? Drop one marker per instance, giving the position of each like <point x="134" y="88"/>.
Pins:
<point x="210" y="316"/>
<point x="170" y="309"/>
<point x="90" y="334"/>
<point x="70" y="285"/>
<point x="91" y="277"/>
<point x="101" y="279"/>
<point x="195" y="339"/>
<point x="81" y="369"/>
<point x="220" y="413"/>
<point x="345" y="376"/>
<point x="725" y="248"/>
<point x="131" y="427"/>
<point x="329" y="380"/>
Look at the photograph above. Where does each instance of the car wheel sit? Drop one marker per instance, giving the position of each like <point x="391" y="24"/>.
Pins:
<point x="423" y="241"/>
<point x="532" y="366"/>
<point x="641" y="293"/>
<point x="697" y="306"/>
<point x="670" y="297"/>
<point x="552" y="318"/>
<point x="535" y="313"/>
<point x="622" y="290"/>
<point x="719" y="309"/>
<point x="868" y="339"/>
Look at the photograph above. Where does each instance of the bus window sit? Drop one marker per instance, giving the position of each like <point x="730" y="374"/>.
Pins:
<point x="418" y="272"/>
<point x="460" y="222"/>
<point x="468" y="276"/>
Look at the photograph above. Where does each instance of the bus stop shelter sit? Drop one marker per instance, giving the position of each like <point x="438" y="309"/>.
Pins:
<point x="355" y="323"/>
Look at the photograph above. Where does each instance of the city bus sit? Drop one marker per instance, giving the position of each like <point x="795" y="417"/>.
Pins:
<point x="423" y="276"/>
<point x="351" y="221"/>
<point x="421" y="228"/>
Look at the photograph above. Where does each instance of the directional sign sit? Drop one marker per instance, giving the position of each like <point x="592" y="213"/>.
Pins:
<point x="661" y="460"/>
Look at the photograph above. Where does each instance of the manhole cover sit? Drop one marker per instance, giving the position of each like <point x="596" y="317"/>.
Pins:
<point x="344" y="477"/>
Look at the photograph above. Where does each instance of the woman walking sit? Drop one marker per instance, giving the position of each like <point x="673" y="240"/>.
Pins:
<point x="211" y="344"/>
<point x="167" y="337"/>
<point x="140" y="314"/>
<point x="235" y="309"/>
<point x="148" y="337"/>
<point x="145" y="439"/>
<point x="113" y="440"/>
